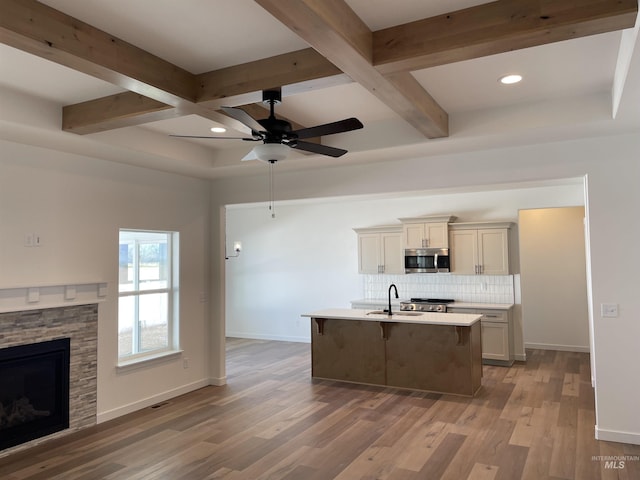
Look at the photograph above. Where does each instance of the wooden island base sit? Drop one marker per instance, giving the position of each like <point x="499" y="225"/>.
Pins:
<point x="418" y="356"/>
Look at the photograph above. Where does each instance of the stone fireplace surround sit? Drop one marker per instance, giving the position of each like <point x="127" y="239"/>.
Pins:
<point x="80" y="324"/>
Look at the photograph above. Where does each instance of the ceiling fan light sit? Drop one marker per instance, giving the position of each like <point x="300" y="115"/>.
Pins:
<point x="271" y="152"/>
<point x="218" y="129"/>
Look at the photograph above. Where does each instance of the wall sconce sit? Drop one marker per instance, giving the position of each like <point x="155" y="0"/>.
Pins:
<point x="237" y="247"/>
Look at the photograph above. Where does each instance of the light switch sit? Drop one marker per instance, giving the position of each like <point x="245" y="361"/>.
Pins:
<point x="609" y="309"/>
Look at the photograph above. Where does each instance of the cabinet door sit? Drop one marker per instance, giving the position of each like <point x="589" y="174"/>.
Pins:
<point x="433" y="357"/>
<point x="464" y="251"/>
<point x="493" y="250"/>
<point x="368" y="253"/>
<point x="437" y="235"/>
<point x="413" y="235"/>
<point x="495" y="341"/>
<point x="350" y="350"/>
<point x="392" y="255"/>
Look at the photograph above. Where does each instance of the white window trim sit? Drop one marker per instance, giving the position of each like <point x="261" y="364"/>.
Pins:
<point x="155" y="357"/>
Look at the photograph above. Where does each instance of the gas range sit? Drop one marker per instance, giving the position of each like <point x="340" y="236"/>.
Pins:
<point x="438" y="305"/>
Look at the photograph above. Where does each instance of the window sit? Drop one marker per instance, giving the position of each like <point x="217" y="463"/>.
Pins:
<point x="147" y="294"/>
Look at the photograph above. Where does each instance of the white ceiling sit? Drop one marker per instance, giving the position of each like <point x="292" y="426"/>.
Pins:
<point x="566" y="92"/>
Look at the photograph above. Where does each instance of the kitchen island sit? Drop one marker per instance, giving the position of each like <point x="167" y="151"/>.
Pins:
<point x="436" y="352"/>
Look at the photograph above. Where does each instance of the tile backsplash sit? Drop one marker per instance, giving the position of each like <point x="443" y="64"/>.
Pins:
<point x="462" y="288"/>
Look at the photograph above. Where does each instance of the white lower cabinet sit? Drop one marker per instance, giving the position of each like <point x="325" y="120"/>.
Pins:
<point x="497" y="344"/>
<point x="495" y="341"/>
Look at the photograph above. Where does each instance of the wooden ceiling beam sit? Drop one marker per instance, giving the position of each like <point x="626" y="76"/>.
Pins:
<point x="335" y="31"/>
<point x="243" y="84"/>
<point x="232" y="86"/>
<point x="48" y="33"/>
<point x="495" y="27"/>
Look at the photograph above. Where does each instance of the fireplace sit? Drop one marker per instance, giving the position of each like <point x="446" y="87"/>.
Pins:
<point x="34" y="391"/>
<point x="79" y="323"/>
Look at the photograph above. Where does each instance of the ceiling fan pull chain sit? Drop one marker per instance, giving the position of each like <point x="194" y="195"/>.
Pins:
<point x="271" y="201"/>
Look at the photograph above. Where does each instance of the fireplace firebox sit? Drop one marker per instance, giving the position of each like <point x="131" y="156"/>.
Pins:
<point x="34" y="391"/>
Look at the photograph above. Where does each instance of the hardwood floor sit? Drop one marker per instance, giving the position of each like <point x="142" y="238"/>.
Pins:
<point x="531" y="421"/>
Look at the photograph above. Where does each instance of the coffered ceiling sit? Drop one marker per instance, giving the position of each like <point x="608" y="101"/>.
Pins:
<point x="115" y="78"/>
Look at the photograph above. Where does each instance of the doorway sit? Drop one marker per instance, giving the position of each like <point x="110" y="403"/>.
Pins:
<point x="553" y="270"/>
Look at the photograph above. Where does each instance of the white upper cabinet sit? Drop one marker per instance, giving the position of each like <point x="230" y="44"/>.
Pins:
<point x="423" y="232"/>
<point x="380" y="250"/>
<point x="479" y="248"/>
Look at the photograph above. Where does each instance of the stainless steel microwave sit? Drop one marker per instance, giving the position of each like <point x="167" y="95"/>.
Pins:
<point x="426" y="260"/>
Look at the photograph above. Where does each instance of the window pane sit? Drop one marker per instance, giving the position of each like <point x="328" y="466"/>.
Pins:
<point x="126" y="317"/>
<point x="153" y="264"/>
<point x="153" y="321"/>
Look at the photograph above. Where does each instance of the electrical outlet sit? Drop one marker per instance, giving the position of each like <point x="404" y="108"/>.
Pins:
<point x="185" y="363"/>
<point x="28" y="240"/>
<point x="609" y="310"/>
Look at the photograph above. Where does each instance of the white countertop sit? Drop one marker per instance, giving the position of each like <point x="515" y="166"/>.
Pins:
<point x="427" y="318"/>
<point x="481" y="306"/>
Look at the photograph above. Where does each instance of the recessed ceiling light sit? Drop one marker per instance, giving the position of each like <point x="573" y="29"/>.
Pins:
<point x="510" y="79"/>
<point x="218" y="129"/>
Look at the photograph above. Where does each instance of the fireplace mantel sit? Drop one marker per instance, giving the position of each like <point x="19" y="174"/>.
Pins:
<point x="33" y="297"/>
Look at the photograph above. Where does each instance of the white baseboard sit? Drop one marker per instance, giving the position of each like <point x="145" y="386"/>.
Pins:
<point x="147" y="402"/>
<point x="617" y="436"/>
<point x="260" y="336"/>
<point x="218" y="381"/>
<point x="562" y="348"/>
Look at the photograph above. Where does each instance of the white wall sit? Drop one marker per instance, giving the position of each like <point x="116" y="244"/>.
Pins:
<point x="77" y="205"/>
<point x="612" y="167"/>
<point x="554" y="278"/>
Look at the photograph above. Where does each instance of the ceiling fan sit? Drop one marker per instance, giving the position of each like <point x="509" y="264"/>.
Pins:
<point x="277" y="135"/>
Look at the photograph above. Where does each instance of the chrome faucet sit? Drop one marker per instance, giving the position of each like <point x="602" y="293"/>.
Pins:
<point x="396" y="289"/>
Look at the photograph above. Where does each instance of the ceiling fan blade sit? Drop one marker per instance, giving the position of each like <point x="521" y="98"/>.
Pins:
<point x="340" y="126"/>
<point x="317" y="148"/>
<point x="246" y="139"/>
<point x="244" y="118"/>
